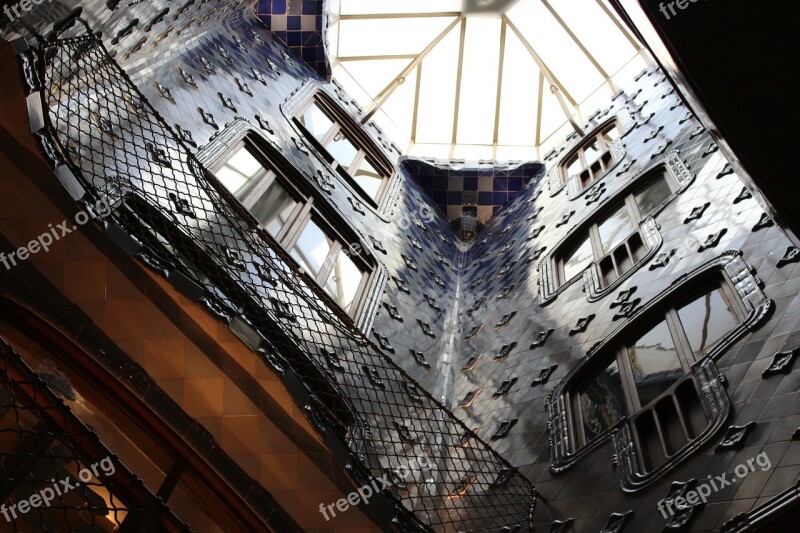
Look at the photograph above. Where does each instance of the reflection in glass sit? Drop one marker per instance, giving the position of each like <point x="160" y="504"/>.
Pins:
<point x="707" y="320"/>
<point x="316" y="122"/>
<point x="343" y="283"/>
<point x="652" y="195"/>
<point x="368" y="179"/>
<point x="577" y="260"/>
<point x="615" y="228"/>
<point x="655" y="363"/>
<point x="602" y="401"/>
<point x="274" y="208"/>
<point x="312" y="248"/>
<point x="238" y="173"/>
<point x="592" y="152"/>
<point x="342" y="150"/>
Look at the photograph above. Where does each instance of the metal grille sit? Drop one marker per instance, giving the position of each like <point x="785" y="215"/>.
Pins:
<point x="186" y="222"/>
<point x="55" y="475"/>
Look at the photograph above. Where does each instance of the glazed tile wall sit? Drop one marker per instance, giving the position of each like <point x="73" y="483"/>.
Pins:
<point x="435" y="281"/>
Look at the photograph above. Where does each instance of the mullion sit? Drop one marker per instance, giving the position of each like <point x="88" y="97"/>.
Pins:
<point x="263" y="184"/>
<point x="293" y="235"/>
<point x="680" y="339"/>
<point x="629" y="382"/>
<point x="330" y="261"/>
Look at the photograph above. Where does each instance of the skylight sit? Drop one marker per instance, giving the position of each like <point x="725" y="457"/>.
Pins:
<point x="481" y="79"/>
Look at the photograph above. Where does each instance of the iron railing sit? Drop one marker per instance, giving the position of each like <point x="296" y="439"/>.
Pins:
<point x="180" y="221"/>
<point x="48" y="460"/>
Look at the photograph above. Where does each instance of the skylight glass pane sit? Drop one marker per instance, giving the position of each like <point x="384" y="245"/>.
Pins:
<point x="353" y="88"/>
<point x="479" y="81"/>
<point x="359" y="7"/>
<point x="436" y="104"/>
<point x="388" y="36"/>
<point x="552" y="115"/>
<point x="514" y="153"/>
<point x="441" y="151"/>
<point x="596" y="31"/>
<point x="375" y="75"/>
<point x="400" y="106"/>
<point x="558" y="51"/>
<point x="471" y="152"/>
<point x="520" y="97"/>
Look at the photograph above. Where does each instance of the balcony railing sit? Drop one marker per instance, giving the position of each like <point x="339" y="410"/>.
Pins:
<point x="108" y="143"/>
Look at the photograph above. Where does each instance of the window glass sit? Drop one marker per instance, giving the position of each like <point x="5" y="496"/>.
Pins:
<point x="707" y="320"/>
<point x="238" y="173"/>
<point x="592" y="152"/>
<point x="655" y="363"/>
<point x="316" y="121"/>
<point x="274" y="208"/>
<point x="574" y="166"/>
<point x="344" y="281"/>
<point x="602" y="401"/>
<point x="368" y="179"/>
<point x="616" y="228"/>
<point x="577" y="260"/>
<point x="611" y="134"/>
<point x="342" y="150"/>
<point x="312" y="248"/>
<point x="652" y="195"/>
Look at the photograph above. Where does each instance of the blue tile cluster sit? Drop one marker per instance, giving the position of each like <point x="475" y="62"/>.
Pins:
<point x="301" y="25"/>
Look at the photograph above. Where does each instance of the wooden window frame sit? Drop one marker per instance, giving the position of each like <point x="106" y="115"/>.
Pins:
<point x="593" y="230"/>
<point x="343" y="124"/>
<point x="683" y="348"/>
<point x="308" y="208"/>
<point x="606" y="159"/>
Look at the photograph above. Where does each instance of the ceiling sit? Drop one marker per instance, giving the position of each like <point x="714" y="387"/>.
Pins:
<point x="480" y="79"/>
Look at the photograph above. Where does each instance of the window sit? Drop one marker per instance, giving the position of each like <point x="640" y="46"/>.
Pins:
<point x="649" y="378"/>
<point x="615" y="242"/>
<point x="593" y="157"/>
<point x="297" y="223"/>
<point x="652" y="387"/>
<point x="345" y="146"/>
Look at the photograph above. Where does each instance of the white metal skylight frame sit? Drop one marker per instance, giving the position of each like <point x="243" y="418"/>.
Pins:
<point x="562" y="103"/>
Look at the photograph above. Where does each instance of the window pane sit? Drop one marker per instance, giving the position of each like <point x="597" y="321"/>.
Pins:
<point x="273" y="208"/>
<point x="342" y="150"/>
<point x="652" y="195"/>
<point x="602" y="401"/>
<point x="368" y="179"/>
<point x="244" y="163"/>
<point x="616" y="228"/>
<point x="577" y="260"/>
<point x="344" y="281"/>
<point x="655" y="363"/>
<point x="707" y="320"/>
<point x="240" y="173"/>
<point x="312" y="248"/>
<point x="316" y="121"/>
<point x="611" y="134"/>
<point x="592" y="152"/>
<point x="574" y="166"/>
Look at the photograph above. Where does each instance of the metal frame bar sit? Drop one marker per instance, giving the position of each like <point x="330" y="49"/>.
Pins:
<point x="459" y="79"/>
<point x="621" y="27"/>
<point x="539" y="111"/>
<point x="380" y="16"/>
<point x="415" y="119"/>
<point x="376" y="58"/>
<point x="501" y="67"/>
<point x="384" y="95"/>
